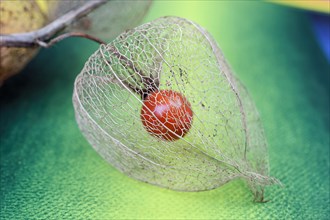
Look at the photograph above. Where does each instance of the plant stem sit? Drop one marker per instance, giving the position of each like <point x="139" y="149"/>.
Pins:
<point x="40" y="36"/>
<point x="67" y="35"/>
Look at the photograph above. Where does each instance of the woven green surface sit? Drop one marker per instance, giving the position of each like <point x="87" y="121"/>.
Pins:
<point x="49" y="171"/>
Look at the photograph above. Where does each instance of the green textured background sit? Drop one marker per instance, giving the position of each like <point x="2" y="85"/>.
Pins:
<point x="49" y="171"/>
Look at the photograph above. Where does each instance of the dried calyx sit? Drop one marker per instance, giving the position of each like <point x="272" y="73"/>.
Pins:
<point x="210" y="132"/>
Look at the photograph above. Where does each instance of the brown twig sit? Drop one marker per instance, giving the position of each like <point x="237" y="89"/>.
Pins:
<point x="67" y="35"/>
<point x="40" y="36"/>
